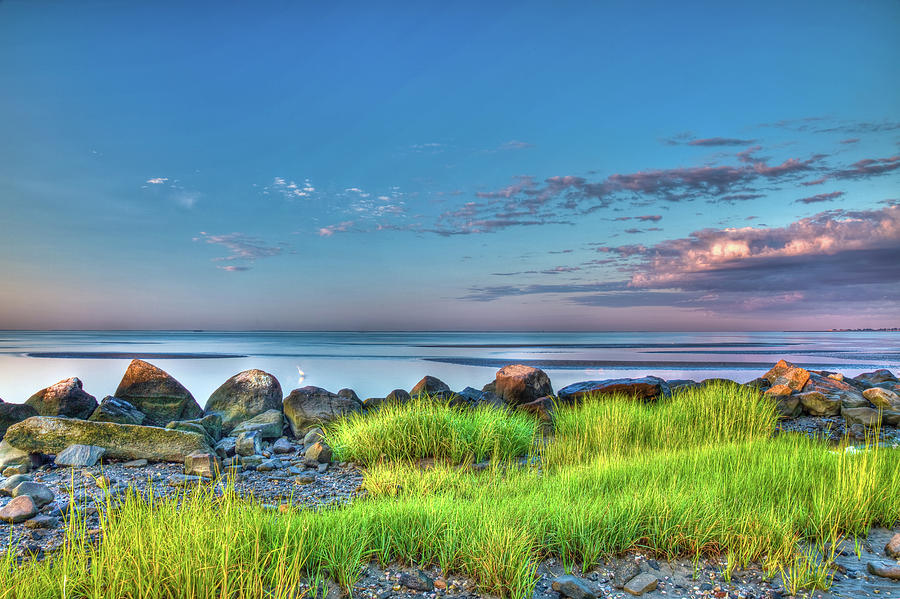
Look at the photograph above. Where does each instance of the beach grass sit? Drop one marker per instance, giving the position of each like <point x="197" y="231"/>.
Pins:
<point x="617" y="476"/>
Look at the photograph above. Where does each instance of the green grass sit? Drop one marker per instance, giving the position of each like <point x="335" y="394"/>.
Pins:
<point x="428" y="429"/>
<point x="618" y="476"/>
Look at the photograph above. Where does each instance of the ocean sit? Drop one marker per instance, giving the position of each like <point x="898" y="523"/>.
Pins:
<point x="373" y="364"/>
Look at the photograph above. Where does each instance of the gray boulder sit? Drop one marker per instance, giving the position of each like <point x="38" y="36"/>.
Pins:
<point x="572" y="587"/>
<point x="819" y="404"/>
<point x="65" y="398"/>
<point x="40" y="494"/>
<point x="11" y="456"/>
<point x="10" y="483"/>
<point x="244" y="396"/>
<point x="269" y="424"/>
<point x="882" y="398"/>
<point x="79" y="456"/>
<point x="121" y="441"/>
<point x="11" y="413"/>
<point x="874" y="378"/>
<point x="349" y="394"/>
<point x="157" y="394"/>
<point x="120" y="411"/>
<point x="397" y="397"/>
<point x="249" y="443"/>
<point x="311" y="406"/>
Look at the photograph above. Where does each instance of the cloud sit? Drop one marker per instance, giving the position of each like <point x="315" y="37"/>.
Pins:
<point x="241" y="248"/>
<point x="187" y="199"/>
<point x="721" y="141"/>
<point x="868" y="168"/>
<point x="650" y="218"/>
<point x="822" y="197"/>
<point x="330" y="230"/>
<point x="290" y="189"/>
<point x="852" y="140"/>
<point x="157" y="180"/>
<point x="234" y="268"/>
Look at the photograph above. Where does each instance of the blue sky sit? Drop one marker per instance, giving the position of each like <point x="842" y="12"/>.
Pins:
<point x="574" y="166"/>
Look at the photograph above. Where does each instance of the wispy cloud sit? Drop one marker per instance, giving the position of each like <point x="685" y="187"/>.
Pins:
<point x="291" y="189"/>
<point x="241" y="247"/>
<point x="822" y="197"/>
<point x="157" y="180"/>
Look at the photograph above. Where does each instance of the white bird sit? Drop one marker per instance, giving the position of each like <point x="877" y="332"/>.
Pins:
<point x="302" y="375"/>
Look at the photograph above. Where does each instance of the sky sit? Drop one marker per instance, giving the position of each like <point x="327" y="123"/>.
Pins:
<point x="581" y="166"/>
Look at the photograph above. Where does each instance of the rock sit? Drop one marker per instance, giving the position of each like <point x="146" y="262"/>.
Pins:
<point x="517" y="384"/>
<point x="18" y="510"/>
<point x="372" y="403"/>
<point x="313" y="436"/>
<point x="311" y="406"/>
<point x="40" y="494"/>
<point x="79" y="456"/>
<point x="867" y="417"/>
<point x="891" y="417"/>
<point x="649" y="388"/>
<point x="348" y="394"/>
<point x="890" y="571"/>
<point x="11" y="413"/>
<point x="155" y="393"/>
<point x="135" y="463"/>
<point x="892" y="549"/>
<point x="846" y="394"/>
<point x="206" y="465"/>
<point x="397" y="397"/>
<point x="270" y="465"/>
<point x="640" y="584"/>
<point x="227" y="445"/>
<point x="7" y="486"/>
<point x="244" y="396"/>
<point x="882" y="398"/>
<point x="211" y="423"/>
<point x="319" y="452"/>
<point x="779" y="391"/>
<point x="417" y="581"/>
<point x="876" y="377"/>
<point x="191" y="426"/>
<point x="251" y="461"/>
<point x="430" y="386"/>
<point x="269" y="424"/>
<point x="788" y="407"/>
<point x="785" y="373"/>
<point x="121" y="441"/>
<point x="624" y="572"/>
<point x="819" y="404"/>
<point x="65" y="398"/>
<point x="184" y="480"/>
<point x="120" y="411"/>
<point x="11" y="456"/>
<point x="42" y="521"/>
<point x="760" y="384"/>
<point x="541" y="407"/>
<point x="282" y="446"/>
<point x="249" y="443"/>
<point x="573" y="587"/>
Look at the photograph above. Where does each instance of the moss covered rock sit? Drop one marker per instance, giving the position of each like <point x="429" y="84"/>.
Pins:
<point x="244" y="396"/>
<point x="65" y="398"/>
<point x="11" y="413"/>
<point x="310" y="406"/>
<point x="122" y="441"/>
<point x="157" y="394"/>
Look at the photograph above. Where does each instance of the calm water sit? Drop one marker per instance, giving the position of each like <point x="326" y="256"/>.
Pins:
<point x="375" y="363"/>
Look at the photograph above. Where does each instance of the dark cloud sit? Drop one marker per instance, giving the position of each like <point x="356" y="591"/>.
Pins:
<point x="822" y="197"/>
<point x="868" y="168"/>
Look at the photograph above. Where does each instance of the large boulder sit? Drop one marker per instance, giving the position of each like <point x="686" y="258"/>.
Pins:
<point x="882" y="398"/>
<point x="79" y="456"/>
<point x="819" y="404"/>
<point x="785" y="373"/>
<point x="243" y="396"/>
<point x="833" y="389"/>
<point x="18" y="510"/>
<point x="871" y="379"/>
<point x="65" y="398"/>
<point x="431" y="386"/>
<point x="270" y="425"/>
<point x="11" y="456"/>
<point x="648" y="388"/>
<point x="11" y="413"/>
<point x="121" y="441"/>
<point x="113" y="409"/>
<point x="310" y="406"/>
<point x="155" y="393"/>
<point x="868" y="417"/>
<point x="517" y="384"/>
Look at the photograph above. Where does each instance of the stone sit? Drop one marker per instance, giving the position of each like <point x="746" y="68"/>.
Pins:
<point x="191" y="426"/>
<point x="157" y="394"/>
<point x="18" y="510"/>
<point x="892" y="549"/>
<point x="65" y="398"/>
<point x="251" y="461"/>
<point x="542" y="408"/>
<point x="120" y="411"/>
<point x="11" y="456"/>
<point x="7" y="486"/>
<point x="430" y="386"/>
<point x="517" y="384"/>
<point x="890" y="417"/>
<point x="121" y="441"/>
<point x="211" y="423"/>
<point x="269" y="465"/>
<point x="646" y="389"/>
<point x="310" y="406"/>
<point x="372" y="403"/>
<point x="227" y="445"/>
<point x="416" y="580"/>
<point x="282" y="446"/>
<point x="249" y="443"/>
<point x="348" y="394"/>
<point x="785" y="373"/>
<point x="640" y="584"/>
<point x="760" y="384"/>
<point x="135" y="463"/>
<point x="314" y="435"/>
<point x="819" y="404"/>
<point x="11" y="413"/>
<point x="269" y="424"/>
<point x="40" y="494"/>
<point x="79" y="456"/>
<point x="882" y="398"/>
<point x="879" y="376"/>
<point x="842" y="391"/>
<point x="319" y="452"/>
<point x="867" y="417"/>
<point x="184" y="480"/>
<point x="42" y="521"/>
<point x="890" y="571"/>
<point x="244" y="396"/>
<point x="788" y="406"/>
<point x="624" y="572"/>
<point x="573" y="587"/>
<point x="397" y="397"/>
<point x="206" y="465"/>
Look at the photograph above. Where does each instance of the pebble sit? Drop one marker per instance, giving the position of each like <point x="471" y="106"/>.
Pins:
<point x="18" y="510"/>
<point x="642" y="583"/>
<point x="572" y="587"/>
<point x="891" y="571"/>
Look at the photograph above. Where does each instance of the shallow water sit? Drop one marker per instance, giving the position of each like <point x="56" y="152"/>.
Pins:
<point x="375" y="363"/>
